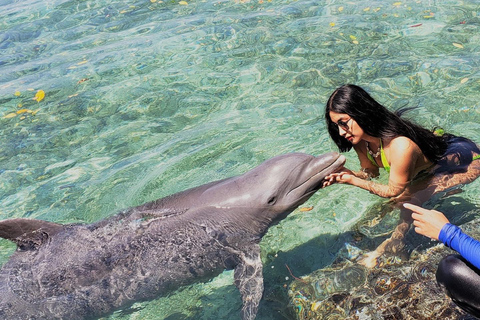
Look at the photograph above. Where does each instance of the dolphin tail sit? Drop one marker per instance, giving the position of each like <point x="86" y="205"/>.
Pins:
<point x="249" y="281"/>
<point x="28" y="234"/>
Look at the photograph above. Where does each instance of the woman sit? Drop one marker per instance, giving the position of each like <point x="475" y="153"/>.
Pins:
<point x="459" y="274"/>
<point x="383" y="139"/>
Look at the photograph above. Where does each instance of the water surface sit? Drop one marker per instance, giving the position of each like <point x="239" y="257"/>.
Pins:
<point x="147" y="98"/>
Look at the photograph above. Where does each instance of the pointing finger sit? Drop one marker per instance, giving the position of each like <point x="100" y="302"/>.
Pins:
<point x="415" y="208"/>
<point x="416" y="216"/>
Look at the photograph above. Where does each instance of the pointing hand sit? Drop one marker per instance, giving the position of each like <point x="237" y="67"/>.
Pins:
<point x="427" y="222"/>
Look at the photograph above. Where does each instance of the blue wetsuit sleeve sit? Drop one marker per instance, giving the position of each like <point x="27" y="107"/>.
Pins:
<point x="469" y="248"/>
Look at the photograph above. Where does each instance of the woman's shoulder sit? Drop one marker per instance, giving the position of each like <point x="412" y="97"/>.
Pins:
<point x="400" y="142"/>
<point x="401" y="145"/>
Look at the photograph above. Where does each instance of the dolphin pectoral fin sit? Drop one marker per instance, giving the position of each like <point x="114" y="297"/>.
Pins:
<point x="28" y="233"/>
<point x="249" y="281"/>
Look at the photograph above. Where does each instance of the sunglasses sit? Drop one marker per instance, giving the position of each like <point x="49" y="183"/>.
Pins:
<point x="343" y="124"/>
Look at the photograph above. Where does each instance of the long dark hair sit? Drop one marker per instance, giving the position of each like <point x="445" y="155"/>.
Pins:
<point x="377" y="121"/>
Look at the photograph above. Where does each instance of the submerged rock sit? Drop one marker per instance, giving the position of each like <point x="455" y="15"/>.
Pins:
<point x="395" y="289"/>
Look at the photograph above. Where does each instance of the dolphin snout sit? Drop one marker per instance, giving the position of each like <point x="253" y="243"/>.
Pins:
<point x="341" y="159"/>
<point x="336" y="165"/>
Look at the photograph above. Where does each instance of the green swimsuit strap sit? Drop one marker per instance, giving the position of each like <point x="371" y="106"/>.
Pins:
<point x="385" y="163"/>
<point x="476" y="157"/>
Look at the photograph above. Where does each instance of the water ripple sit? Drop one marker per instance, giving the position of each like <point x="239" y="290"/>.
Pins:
<point x="147" y="98"/>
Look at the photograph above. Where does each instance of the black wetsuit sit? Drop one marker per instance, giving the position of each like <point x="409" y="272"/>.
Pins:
<point x="460" y="275"/>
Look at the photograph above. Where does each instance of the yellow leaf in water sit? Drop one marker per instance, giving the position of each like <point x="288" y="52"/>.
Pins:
<point x="183" y="3"/>
<point x="10" y="115"/>
<point x="24" y="111"/>
<point x="458" y="45"/>
<point x="396" y="4"/>
<point x="353" y="37"/>
<point x="39" y="95"/>
<point x="366" y="9"/>
<point x="17" y="93"/>
<point x="305" y="209"/>
<point x="85" y="61"/>
<point x="340" y="9"/>
<point x="464" y="80"/>
<point x="355" y="42"/>
<point x="332" y="24"/>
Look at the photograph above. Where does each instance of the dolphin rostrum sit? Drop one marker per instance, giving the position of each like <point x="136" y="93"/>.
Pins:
<point x="83" y="271"/>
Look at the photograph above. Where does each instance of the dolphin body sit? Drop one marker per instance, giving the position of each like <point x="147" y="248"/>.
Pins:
<point x="84" y="271"/>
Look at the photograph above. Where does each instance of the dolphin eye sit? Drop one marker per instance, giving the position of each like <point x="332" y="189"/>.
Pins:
<point x="271" y="201"/>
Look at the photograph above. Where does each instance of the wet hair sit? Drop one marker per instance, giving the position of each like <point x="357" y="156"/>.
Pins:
<point x="377" y="121"/>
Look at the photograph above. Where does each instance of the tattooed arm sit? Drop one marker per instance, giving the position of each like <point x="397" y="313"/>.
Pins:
<point x="403" y="155"/>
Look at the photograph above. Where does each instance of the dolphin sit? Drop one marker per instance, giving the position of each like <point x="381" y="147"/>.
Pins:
<point x="84" y="271"/>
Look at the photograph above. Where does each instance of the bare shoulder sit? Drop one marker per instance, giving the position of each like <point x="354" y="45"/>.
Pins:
<point x="405" y="153"/>
<point x="402" y="145"/>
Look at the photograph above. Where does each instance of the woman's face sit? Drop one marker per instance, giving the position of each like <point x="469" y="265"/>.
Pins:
<point x="347" y="127"/>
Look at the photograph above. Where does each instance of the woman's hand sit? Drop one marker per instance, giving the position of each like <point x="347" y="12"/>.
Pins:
<point x="427" y="222"/>
<point x="344" y="176"/>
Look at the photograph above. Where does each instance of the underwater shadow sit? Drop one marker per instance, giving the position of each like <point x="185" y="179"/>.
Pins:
<point x="327" y="249"/>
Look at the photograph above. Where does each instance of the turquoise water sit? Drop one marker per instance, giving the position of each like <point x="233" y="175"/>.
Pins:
<point x="147" y="98"/>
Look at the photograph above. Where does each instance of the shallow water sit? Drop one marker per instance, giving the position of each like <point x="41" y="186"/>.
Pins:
<point x="147" y="98"/>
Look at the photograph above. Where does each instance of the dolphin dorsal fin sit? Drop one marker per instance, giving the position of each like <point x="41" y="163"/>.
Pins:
<point x="28" y="234"/>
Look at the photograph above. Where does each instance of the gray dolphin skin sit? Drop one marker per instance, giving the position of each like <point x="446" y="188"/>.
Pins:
<point x="86" y="271"/>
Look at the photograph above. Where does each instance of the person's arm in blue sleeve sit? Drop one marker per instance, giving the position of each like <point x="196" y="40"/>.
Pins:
<point x="435" y="225"/>
<point x="469" y="248"/>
